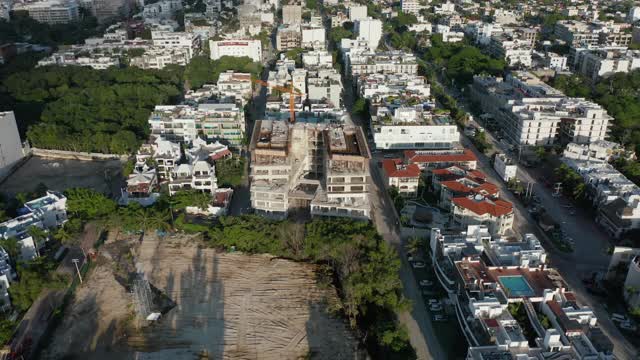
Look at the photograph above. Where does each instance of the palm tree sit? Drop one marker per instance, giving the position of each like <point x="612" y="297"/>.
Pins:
<point x="39" y="235"/>
<point x="414" y="245"/>
<point x="159" y="220"/>
<point x="65" y="237"/>
<point x="12" y="247"/>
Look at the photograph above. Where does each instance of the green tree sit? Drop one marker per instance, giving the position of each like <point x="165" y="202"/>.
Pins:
<point x="7" y="329"/>
<point x="12" y="247"/>
<point x="35" y="276"/>
<point x="89" y="204"/>
<point x="39" y="235"/>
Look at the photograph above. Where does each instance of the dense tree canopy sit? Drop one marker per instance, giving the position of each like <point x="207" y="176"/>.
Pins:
<point x="462" y="61"/>
<point x="91" y="110"/>
<point x="202" y="70"/>
<point x="24" y="28"/>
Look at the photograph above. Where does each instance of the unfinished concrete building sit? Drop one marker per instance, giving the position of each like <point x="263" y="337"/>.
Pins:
<point x="304" y="167"/>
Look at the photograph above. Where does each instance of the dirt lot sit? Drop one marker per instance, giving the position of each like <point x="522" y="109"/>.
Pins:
<point x="103" y="176"/>
<point x="228" y="306"/>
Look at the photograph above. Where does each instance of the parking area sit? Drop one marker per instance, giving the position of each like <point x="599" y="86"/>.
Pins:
<point x="440" y="309"/>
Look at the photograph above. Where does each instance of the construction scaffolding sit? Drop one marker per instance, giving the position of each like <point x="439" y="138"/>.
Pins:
<point x="143" y="297"/>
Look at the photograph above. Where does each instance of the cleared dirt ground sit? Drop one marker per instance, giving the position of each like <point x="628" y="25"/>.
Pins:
<point x="229" y="306"/>
<point x="60" y="175"/>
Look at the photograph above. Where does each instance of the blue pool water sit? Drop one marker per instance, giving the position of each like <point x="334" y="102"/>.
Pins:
<point x="516" y="286"/>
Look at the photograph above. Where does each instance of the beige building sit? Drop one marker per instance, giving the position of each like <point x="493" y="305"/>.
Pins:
<point x="292" y="14"/>
<point x="288" y="37"/>
<point x="304" y="167"/>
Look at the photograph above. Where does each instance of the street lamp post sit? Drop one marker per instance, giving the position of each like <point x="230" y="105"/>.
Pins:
<point x="75" y="261"/>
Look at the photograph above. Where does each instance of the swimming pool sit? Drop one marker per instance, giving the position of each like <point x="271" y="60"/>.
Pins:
<point x="516" y="286"/>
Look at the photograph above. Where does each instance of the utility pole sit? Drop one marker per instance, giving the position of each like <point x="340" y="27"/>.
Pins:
<point x="556" y="190"/>
<point x="75" y="261"/>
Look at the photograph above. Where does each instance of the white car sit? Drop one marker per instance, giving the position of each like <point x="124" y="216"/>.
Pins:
<point x="435" y="307"/>
<point x="426" y="283"/>
<point x="434" y="302"/>
<point x="418" y="265"/>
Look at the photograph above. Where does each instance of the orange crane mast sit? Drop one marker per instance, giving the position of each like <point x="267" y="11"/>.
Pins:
<point x="292" y="96"/>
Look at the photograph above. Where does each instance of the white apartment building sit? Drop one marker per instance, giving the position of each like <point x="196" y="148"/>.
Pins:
<point x="158" y="58"/>
<point x="233" y="84"/>
<point x="379" y="86"/>
<point x="632" y="283"/>
<point x="177" y="40"/>
<point x="166" y="155"/>
<point x="581" y="34"/>
<point x="327" y="89"/>
<point x="96" y="61"/>
<point x="505" y="167"/>
<point x="532" y="113"/>
<point x="410" y="6"/>
<point x="527" y="253"/>
<point x="164" y="9"/>
<point x="602" y="63"/>
<point x="505" y="17"/>
<point x="616" y="198"/>
<point x="51" y="11"/>
<point x="317" y="58"/>
<point x="10" y="145"/>
<point x="359" y="62"/>
<point x="357" y="12"/>
<point x="313" y="37"/>
<point x="369" y="30"/>
<point x="304" y="166"/>
<point x="47" y="212"/>
<point x="515" y="51"/>
<point x="183" y="123"/>
<point x="198" y="175"/>
<point x="446" y="8"/>
<point x="413" y="128"/>
<point x="555" y="61"/>
<point x="237" y="48"/>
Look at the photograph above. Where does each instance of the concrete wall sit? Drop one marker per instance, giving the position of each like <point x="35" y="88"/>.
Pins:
<point x="75" y="155"/>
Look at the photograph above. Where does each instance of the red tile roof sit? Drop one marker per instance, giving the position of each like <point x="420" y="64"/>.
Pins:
<point x="483" y="189"/>
<point x="395" y="168"/>
<point x="221" y="154"/>
<point x="456" y="186"/>
<point x="417" y="157"/>
<point x="495" y="207"/>
<point x="491" y="323"/>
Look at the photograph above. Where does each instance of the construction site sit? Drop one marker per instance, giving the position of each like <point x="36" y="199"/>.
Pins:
<point x="319" y="168"/>
<point x="152" y="297"/>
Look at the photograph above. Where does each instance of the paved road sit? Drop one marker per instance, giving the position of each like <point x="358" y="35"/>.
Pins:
<point x="418" y="321"/>
<point x="241" y="201"/>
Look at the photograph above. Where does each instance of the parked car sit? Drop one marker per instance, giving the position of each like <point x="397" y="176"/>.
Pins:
<point x="435" y="307"/>
<point x="418" y="265"/>
<point x="439" y="317"/>
<point x="628" y="325"/>
<point x="426" y="283"/>
<point x="618" y="317"/>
